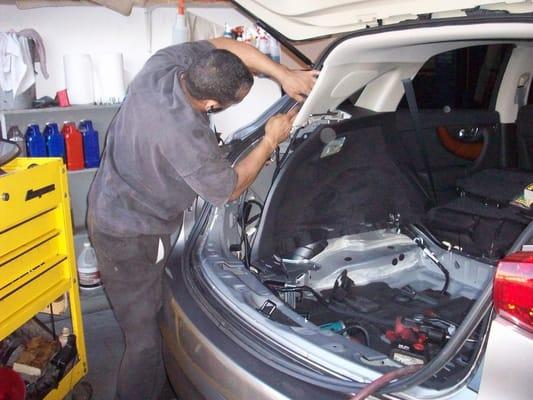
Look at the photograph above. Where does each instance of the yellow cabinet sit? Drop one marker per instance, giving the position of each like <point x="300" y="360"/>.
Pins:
<point x="37" y="263"/>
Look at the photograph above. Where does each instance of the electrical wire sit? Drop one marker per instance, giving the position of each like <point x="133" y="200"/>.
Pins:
<point x="385" y="379"/>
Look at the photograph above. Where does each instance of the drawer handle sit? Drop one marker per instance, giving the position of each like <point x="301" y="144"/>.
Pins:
<point x="32" y="194"/>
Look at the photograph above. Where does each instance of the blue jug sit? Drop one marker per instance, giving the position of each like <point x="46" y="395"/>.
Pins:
<point x="35" y="141"/>
<point x="55" y="143"/>
<point x="91" y="149"/>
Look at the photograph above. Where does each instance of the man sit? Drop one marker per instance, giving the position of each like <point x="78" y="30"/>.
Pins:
<point x="160" y="154"/>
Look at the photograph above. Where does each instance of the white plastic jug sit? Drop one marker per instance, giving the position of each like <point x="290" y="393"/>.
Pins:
<point x="88" y="274"/>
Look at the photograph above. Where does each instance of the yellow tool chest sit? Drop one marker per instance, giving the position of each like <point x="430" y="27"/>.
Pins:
<point x="37" y="262"/>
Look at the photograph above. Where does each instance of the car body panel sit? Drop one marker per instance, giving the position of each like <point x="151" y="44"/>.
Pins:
<point x="303" y="20"/>
<point x="209" y="356"/>
<point x="507" y="364"/>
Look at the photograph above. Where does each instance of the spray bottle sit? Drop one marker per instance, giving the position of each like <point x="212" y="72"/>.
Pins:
<point x="180" y="33"/>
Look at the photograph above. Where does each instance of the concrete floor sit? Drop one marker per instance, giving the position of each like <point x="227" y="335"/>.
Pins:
<point x="104" y="343"/>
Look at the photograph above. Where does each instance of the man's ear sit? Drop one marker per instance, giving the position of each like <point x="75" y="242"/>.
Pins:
<point x="210" y="105"/>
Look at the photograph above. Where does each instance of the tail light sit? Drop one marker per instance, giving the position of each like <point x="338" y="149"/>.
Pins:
<point x="513" y="289"/>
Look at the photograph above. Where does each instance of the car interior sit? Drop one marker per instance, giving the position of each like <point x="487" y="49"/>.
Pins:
<point x="383" y="227"/>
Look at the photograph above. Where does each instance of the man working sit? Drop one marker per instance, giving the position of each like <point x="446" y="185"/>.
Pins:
<point x="160" y="154"/>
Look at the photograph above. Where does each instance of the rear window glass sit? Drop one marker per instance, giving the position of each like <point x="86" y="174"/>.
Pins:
<point x="462" y="78"/>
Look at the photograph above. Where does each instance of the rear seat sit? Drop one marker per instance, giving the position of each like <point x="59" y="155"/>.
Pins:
<point x="481" y="220"/>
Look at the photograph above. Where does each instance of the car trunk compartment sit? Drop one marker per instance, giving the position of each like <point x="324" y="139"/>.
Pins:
<point x="372" y="180"/>
<point x="350" y="205"/>
<point x="382" y="290"/>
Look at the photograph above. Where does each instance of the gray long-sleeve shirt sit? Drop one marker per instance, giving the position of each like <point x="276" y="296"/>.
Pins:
<point x="160" y="153"/>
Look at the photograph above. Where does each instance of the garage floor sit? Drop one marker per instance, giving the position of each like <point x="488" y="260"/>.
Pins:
<point x="104" y="343"/>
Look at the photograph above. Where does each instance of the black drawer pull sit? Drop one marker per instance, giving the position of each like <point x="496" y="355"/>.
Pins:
<point x="32" y="194"/>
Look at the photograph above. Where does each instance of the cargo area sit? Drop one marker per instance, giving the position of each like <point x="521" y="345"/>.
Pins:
<point x="365" y="252"/>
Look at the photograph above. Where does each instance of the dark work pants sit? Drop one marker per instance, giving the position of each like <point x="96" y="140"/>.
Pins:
<point x="133" y="283"/>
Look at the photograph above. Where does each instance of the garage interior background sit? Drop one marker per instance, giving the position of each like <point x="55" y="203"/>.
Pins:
<point x="95" y="30"/>
<point x="87" y="29"/>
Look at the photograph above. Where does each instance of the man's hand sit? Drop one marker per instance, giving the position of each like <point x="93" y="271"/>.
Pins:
<point x="298" y="84"/>
<point x="276" y="131"/>
<point x="278" y="127"/>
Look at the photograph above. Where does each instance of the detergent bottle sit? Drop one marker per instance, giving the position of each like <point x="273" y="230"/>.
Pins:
<point x="88" y="273"/>
<point x="91" y="149"/>
<point x="55" y="144"/>
<point x="73" y="145"/>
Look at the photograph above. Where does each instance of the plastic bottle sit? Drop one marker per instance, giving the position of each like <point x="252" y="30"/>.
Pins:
<point x="55" y="143"/>
<point x="227" y="31"/>
<point x="274" y="49"/>
<point x="91" y="149"/>
<point x="264" y="46"/>
<point x="88" y="274"/>
<point x="15" y="135"/>
<point x="35" y="145"/>
<point x="63" y="337"/>
<point x="180" y="33"/>
<point x="73" y="145"/>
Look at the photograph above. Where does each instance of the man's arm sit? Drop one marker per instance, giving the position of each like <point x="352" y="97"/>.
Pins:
<point x="276" y="131"/>
<point x="297" y="84"/>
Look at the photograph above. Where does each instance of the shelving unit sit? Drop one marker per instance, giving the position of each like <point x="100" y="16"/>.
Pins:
<point x="79" y="181"/>
<point x="37" y="252"/>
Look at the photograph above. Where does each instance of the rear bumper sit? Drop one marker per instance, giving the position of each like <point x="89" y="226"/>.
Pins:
<point x="507" y="364"/>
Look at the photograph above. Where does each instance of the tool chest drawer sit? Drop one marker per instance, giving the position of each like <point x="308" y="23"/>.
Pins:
<point x="30" y="187"/>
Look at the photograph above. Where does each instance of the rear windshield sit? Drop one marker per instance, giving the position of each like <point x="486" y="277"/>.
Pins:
<point x="464" y="78"/>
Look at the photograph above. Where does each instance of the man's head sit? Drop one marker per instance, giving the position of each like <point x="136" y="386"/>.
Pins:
<point x="217" y="80"/>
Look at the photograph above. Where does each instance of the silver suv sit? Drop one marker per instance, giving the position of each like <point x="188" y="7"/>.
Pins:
<point x="386" y="249"/>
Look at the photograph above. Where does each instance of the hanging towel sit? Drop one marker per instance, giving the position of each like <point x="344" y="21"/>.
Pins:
<point x="12" y="65"/>
<point x="28" y="79"/>
<point x="40" y="52"/>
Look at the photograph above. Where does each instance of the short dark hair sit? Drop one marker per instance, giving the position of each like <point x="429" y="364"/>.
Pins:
<point x="219" y="75"/>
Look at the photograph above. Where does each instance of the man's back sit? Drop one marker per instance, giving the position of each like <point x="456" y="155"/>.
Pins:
<point x="157" y="148"/>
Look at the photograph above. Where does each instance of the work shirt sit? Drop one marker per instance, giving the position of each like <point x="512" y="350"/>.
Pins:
<point x="160" y="153"/>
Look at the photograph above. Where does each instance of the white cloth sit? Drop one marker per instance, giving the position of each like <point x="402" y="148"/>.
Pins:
<point x="16" y="66"/>
<point x="29" y="77"/>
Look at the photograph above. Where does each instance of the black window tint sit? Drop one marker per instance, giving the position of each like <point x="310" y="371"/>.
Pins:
<point x="462" y="78"/>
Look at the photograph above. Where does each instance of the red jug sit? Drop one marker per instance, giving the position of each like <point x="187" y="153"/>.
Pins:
<point x="73" y="145"/>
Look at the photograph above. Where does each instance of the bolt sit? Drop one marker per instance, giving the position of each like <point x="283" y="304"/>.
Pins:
<point x="5" y="196"/>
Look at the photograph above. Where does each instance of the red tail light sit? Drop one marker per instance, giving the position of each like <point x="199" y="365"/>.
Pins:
<point x="513" y="289"/>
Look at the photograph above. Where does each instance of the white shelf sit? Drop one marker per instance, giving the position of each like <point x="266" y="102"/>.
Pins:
<point x="87" y="107"/>
<point x="82" y="171"/>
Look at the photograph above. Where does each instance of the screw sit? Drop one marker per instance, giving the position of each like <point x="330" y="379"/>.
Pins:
<point x="5" y="196"/>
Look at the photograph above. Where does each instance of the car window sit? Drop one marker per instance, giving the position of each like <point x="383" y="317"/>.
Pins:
<point x="461" y="79"/>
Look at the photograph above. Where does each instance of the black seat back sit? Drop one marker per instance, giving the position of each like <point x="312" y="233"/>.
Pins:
<point x="524" y="133"/>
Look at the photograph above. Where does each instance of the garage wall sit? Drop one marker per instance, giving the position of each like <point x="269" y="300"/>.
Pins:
<point x="99" y="30"/>
<point x="93" y="30"/>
